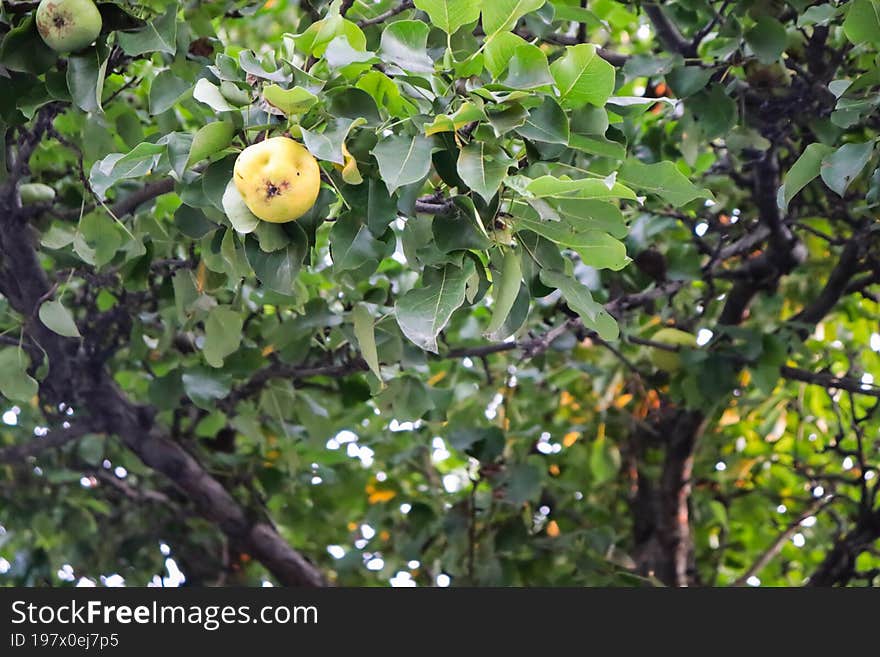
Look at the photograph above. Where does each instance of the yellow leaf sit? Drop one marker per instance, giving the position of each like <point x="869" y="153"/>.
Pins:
<point x="623" y="400"/>
<point x="384" y="535"/>
<point x="268" y="350"/>
<point x="552" y="529"/>
<point x="570" y="438"/>
<point x="437" y="378"/>
<point x="350" y="172"/>
<point x="352" y="526"/>
<point x="730" y="416"/>
<point x="553" y="470"/>
<point x="201" y="276"/>
<point x="381" y="496"/>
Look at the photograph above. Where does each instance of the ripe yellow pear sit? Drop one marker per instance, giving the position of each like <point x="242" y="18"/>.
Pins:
<point x="670" y="361"/>
<point x="68" y="25"/>
<point x="278" y="179"/>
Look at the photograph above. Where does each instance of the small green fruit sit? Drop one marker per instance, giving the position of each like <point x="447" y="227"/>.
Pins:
<point x="68" y="25"/>
<point x="670" y="361"/>
<point x="31" y="193"/>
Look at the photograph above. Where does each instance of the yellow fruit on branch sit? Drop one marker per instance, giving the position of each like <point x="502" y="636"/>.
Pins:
<point x="278" y="179"/>
<point x="68" y="25"/>
<point x="670" y="361"/>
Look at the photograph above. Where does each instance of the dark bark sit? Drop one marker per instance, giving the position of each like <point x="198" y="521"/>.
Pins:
<point x="86" y="385"/>
<point x="663" y="540"/>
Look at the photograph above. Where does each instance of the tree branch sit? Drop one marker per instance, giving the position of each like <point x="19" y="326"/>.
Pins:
<point x="836" y="286"/>
<point x="773" y="549"/>
<point x="384" y="16"/>
<point x="36" y="446"/>
<point x="667" y="31"/>
<point x="828" y="380"/>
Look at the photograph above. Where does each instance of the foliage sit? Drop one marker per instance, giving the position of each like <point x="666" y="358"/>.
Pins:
<point x="444" y="367"/>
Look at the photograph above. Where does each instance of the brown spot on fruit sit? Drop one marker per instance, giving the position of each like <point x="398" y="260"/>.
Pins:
<point x="273" y="190"/>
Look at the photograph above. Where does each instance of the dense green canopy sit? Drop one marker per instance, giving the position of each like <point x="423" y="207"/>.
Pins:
<point x="444" y="372"/>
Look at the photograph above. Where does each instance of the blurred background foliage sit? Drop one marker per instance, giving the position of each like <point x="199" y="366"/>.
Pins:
<point x="707" y="165"/>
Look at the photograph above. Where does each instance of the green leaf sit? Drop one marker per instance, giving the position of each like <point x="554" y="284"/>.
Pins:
<point x="802" y="172"/>
<point x="165" y="91"/>
<point x="242" y="219"/>
<point x="662" y="179"/>
<point x="716" y="111"/>
<point x="210" y="139"/>
<point x="271" y="236"/>
<point x="818" y="15"/>
<point x="597" y="146"/>
<point x="159" y="35"/>
<point x="460" y="229"/>
<point x="328" y="145"/>
<point x="767" y="39"/>
<point x="501" y="15"/>
<point x="85" y="79"/>
<point x="290" y="101"/>
<point x="589" y="214"/>
<point x="222" y="335"/>
<point x="386" y="94"/>
<point x="102" y="236"/>
<point x="423" y="312"/>
<point x="552" y="187"/>
<point x="582" y="77"/>
<point x="483" y="168"/>
<point x="467" y="113"/>
<point x="578" y="296"/>
<point x="688" y="80"/>
<point x="863" y="21"/>
<point x="341" y="56"/>
<point x="278" y="270"/>
<point x="251" y="65"/>
<point x="523" y="483"/>
<point x="121" y="166"/>
<point x="15" y="383"/>
<point x="405" y="43"/>
<point x="318" y="35"/>
<point x="505" y="289"/>
<point x="842" y="166"/>
<point x="352" y="245"/>
<point x="596" y="247"/>
<point x="600" y="250"/>
<point x="58" y="319"/>
<point x="205" y="386"/>
<point x="546" y="123"/>
<point x="365" y="334"/>
<point x="23" y="50"/>
<point x="449" y="15"/>
<point x="499" y="51"/>
<point x="403" y="160"/>
<point x="209" y="93"/>
<point x="528" y="69"/>
<point x="604" y="461"/>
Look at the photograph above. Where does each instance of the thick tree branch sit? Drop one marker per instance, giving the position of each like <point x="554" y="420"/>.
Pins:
<point x="668" y="32"/>
<point x="836" y="286"/>
<point x="839" y="564"/>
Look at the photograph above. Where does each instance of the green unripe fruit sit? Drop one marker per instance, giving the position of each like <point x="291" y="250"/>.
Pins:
<point x="68" y="25"/>
<point x="31" y="193"/>
<point x="670" y="361"/>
